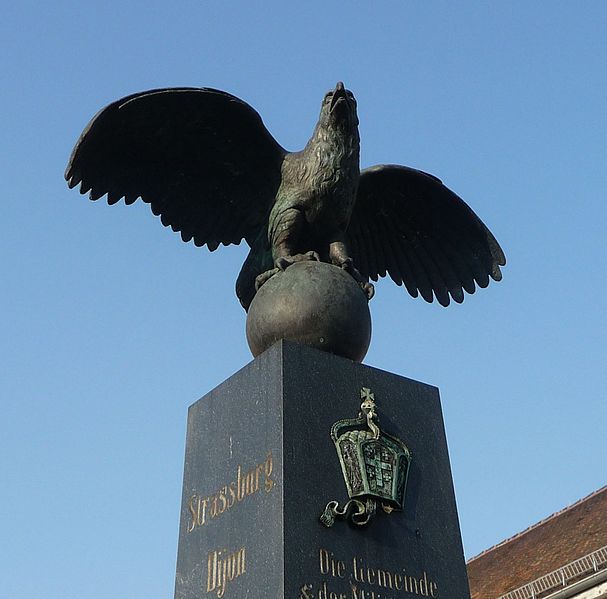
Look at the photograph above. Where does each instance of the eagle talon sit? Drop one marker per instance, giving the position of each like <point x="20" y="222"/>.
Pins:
<point x="284" y="262"/>
<point x="264" y="277"/>
<point x="348" y="266"/>
<point x="368" y="289"/>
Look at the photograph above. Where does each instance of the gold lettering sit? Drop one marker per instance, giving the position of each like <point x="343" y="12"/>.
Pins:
<point x="384" y="579"/>
<point x="413" y="588"/>
<point x="250" y="482"/>
<point x="211" y="571"/>
<point x="223" y="568"/>
<point x="231" y="568"/>
<point x="325" y="593"/>
<point x="246" y="484"/>
<point x="223" y="500"/>
<point x="398" y="580"/>
<point x="221" y="587"/>
<point x="328" y="564"/>
<point x="240" y="487"/>
<point x="304" y="592"/>
<point x="358" y="574"/>
<point x="423" y="585"/>
<point x="242" y="561"/>
<point x="361" y="572"/>
<point x="204" y="510"/>
<point x="268" y="467"/>
<point x="324" y="561"/>
<point x="192" y="523"/>
<point x="258" y="471"/>
<point x="232" y="499"/>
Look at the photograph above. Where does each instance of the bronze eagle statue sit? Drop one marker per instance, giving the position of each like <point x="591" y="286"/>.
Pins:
<point x="210" y="169"/>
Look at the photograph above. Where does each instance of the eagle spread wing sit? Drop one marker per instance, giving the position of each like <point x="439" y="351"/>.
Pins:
<point x="201" y="157"/>
<point x="408" y="225"/>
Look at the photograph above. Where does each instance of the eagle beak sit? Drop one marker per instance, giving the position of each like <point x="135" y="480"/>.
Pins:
<point x="339" y="93"/>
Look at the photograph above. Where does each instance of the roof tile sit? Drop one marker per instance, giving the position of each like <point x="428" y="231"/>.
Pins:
<point x="548" y="545"/>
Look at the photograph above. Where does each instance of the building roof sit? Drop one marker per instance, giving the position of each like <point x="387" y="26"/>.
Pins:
<point x="564" y="537"/>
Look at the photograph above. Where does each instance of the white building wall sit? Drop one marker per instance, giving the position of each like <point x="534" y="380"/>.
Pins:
<point x="598" y="591"/>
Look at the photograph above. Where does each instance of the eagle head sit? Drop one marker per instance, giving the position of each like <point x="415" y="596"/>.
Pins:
<point x="338" y="110"/>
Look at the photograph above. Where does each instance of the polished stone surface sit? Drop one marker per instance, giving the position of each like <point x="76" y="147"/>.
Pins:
<point x="260" y="467"/>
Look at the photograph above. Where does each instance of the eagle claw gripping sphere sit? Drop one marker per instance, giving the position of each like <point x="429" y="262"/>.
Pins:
<point x="315" y="304"/>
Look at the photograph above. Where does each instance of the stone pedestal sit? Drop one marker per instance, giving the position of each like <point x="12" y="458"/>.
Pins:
<point x="260" y="468"/>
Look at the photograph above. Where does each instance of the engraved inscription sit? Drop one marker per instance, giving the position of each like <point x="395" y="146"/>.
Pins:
<point x="224" y="567"/>
<point x="203" y="508"/>
<point x="354" y="578"/>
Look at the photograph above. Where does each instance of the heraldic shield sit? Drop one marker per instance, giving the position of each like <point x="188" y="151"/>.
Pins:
<point x="375" y="466"/>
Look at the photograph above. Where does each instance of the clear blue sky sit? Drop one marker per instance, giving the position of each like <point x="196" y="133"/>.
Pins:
<point x="111" y="326"/>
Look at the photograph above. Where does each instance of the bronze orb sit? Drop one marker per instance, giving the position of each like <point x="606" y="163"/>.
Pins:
<point x="314" y="304"/>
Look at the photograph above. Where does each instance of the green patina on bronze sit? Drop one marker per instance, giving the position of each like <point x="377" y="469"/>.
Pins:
<point x="375" y="466"/>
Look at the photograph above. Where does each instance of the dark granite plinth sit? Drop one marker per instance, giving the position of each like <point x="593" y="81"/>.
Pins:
<point x="260" y="467"/>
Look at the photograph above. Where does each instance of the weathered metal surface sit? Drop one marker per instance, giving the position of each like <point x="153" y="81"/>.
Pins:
<point x="375" y="466"/>
<point x="314" y="304"/>
<point x="211" y="170"/>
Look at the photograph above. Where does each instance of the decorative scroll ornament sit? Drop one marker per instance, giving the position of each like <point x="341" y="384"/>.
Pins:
<point x="375" y="466"/>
